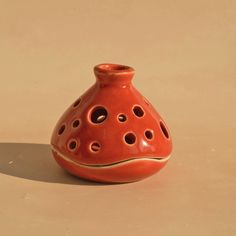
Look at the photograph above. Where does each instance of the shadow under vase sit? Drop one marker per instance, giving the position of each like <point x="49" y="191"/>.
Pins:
<point x="34" y="162"/>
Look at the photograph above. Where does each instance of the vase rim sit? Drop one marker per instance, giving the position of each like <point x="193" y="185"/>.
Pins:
<point x="108" y="68"/>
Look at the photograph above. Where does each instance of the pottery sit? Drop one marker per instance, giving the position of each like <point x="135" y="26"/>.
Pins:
<point x="111" y="133"/>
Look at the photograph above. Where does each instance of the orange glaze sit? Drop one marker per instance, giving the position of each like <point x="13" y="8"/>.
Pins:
<point x="111" y="123"/>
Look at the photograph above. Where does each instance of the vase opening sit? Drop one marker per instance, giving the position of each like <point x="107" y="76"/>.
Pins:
<point x="112" y="67"/>
<point x="107" y="68"/>
<point x="107" y="73"/>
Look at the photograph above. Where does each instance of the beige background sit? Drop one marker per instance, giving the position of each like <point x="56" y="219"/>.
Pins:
<point x="184" y="53"/>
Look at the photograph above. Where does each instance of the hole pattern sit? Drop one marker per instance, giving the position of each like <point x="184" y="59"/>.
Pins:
<point x="95" y="147"/>
<point x="122" y="118"/>
<point x="130" y="138"/>
<point x="77" y="102"/>
<point x="138" y="111"/>
<point x="72" y="145"/>
<point x="62" y="129"/>
<point x="149" y="134"/>
<point x="164" y="130"/>
<point x="98" y="115"/>
<point x="76" y="124"/>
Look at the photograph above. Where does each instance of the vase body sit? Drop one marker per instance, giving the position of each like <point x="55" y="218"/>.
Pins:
<point x="111" y="133"/>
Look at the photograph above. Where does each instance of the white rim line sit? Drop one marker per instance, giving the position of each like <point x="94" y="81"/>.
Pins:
<point x="154" y="159"/>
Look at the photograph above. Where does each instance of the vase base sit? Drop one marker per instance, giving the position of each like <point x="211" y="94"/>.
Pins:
<point x="115" y="172"/>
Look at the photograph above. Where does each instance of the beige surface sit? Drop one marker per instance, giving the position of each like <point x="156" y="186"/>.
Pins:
<point x="184" y="53"/>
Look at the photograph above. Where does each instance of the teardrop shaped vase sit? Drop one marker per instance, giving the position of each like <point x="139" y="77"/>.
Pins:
<point x="111" y="133"/>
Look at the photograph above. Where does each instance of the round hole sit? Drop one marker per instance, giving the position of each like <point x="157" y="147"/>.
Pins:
<point x="98" y="115"/>
<point x="138" y="111"/>
<point x="77" y="102"/>
<point x="130" y="138"/>
<point x="62" y="129"/>
<point x="149" y="134"/>
<point x="122" y="117"/>
<point x="164" y="130"/>
<point x="95" y="147"/>
<point x="72" y="145"/>
<point x="76" y="123"/>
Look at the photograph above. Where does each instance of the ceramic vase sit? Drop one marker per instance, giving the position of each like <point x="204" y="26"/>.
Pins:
<point x="111" y="133"/>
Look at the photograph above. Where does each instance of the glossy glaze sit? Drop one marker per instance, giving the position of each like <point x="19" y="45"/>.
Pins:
<point x="111" y="133"/>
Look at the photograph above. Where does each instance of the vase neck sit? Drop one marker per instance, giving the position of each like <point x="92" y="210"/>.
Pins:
<point x="113" y="74"/>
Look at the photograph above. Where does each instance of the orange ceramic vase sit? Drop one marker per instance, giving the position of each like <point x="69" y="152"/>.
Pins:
<point x="111" y="133"/>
